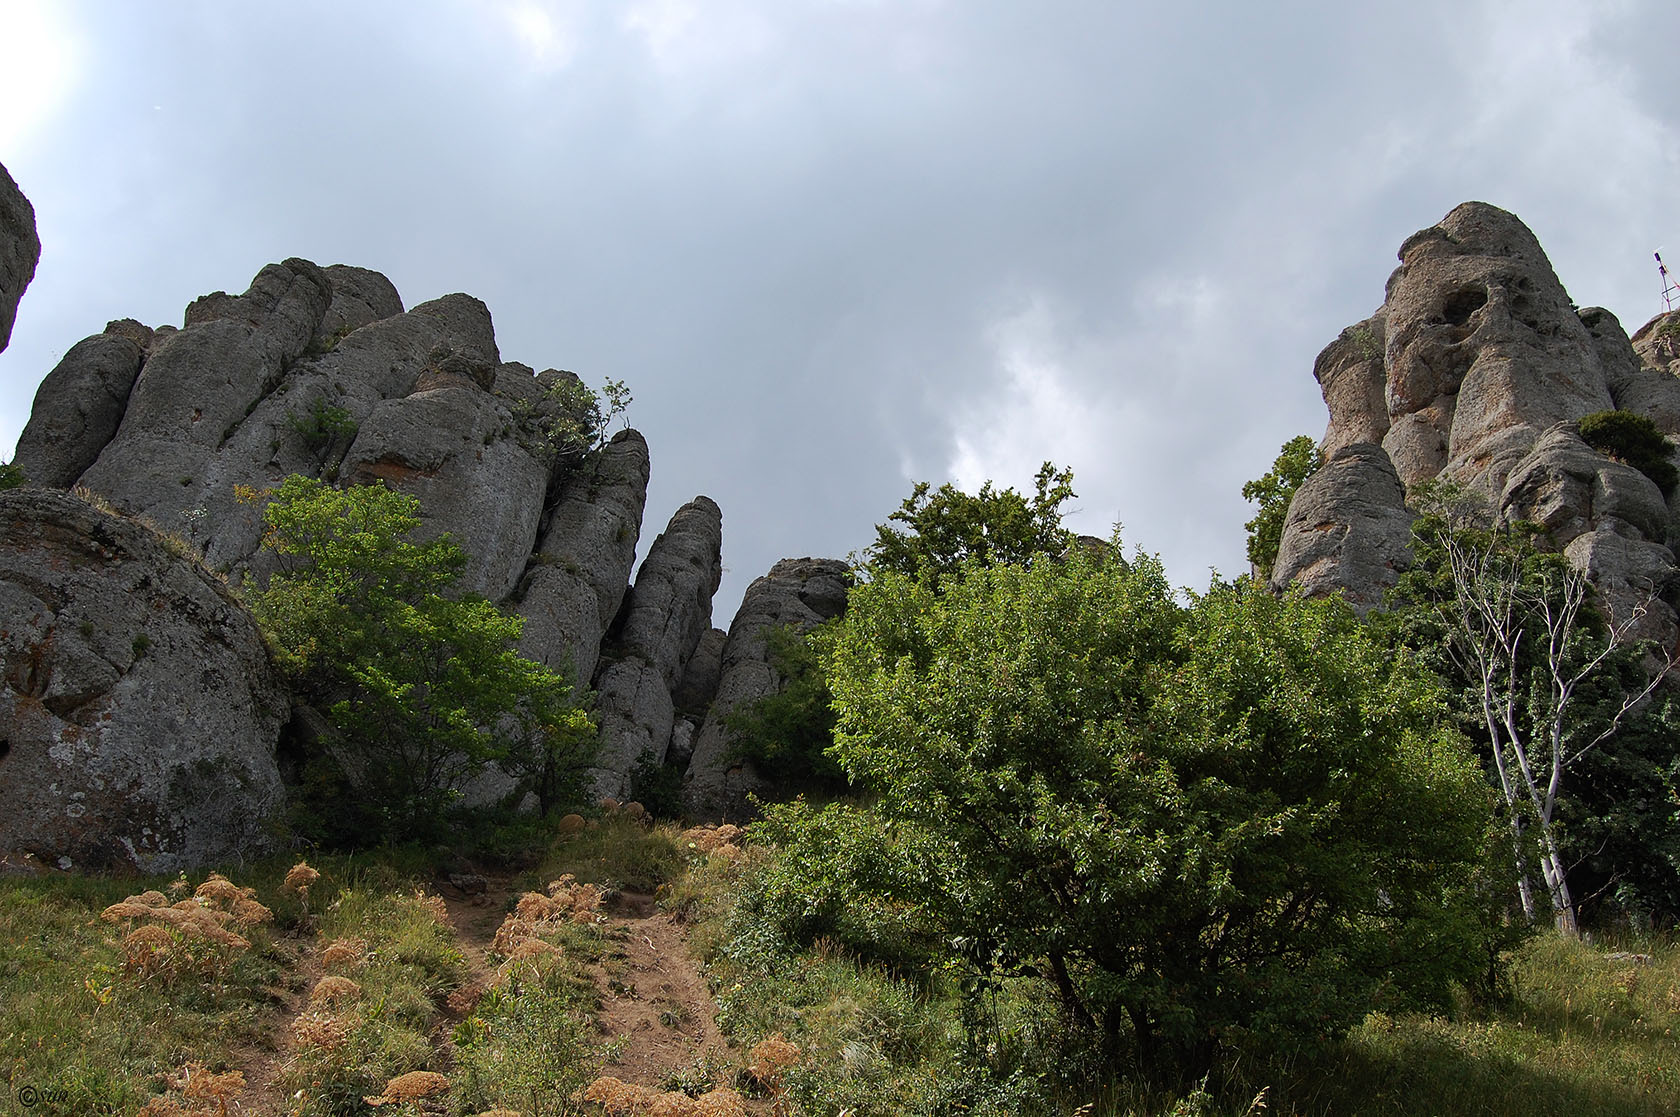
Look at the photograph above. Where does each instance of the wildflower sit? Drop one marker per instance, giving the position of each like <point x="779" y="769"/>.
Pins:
<point x="319" y="1030"/>
<point x="249" y="913"/>
<point x="433" y="904"/>
<point x="222" y="892"/>
<point x="413" y="1086"/>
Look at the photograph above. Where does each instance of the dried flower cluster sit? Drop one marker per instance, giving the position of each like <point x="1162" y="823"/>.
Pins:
<point x="413" y="1086"/>
<point x="334" y="988"/>
<point x="769" y="1058"/>
<point x="208" y="1093"/>
<point x="434" y="904"/>
<point x="623" y="1098"/>
<point x="536" y="914"/>
<point x="344" y="952"/>
<point x="299" y="878"/>
<point x="320" y="1031"/>
<point x="188" y="934"/>
<point x="715" y="841"/>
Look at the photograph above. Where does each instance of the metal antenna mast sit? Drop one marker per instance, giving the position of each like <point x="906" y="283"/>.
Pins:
<point x="1671" y="289"/>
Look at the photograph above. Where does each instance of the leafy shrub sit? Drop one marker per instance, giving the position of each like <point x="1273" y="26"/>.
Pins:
<point x="1273" y="492"/>
<point x="323" y="425"/>
<point x="424" y="688"/>
<point x="11" y="476"/>
<point x="1243" y="817"/>
<point x="1635" y="440"/>
<point x="841" y="874"/>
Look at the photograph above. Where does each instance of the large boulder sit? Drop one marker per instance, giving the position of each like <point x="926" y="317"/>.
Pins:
<point x="1348" y="530"/>
<point x="798" y="593"/>
<point x="1350" y="375"/>
<point x="1658" y="343"/>
<point x="20" y="251"/>
<point x="78" y="408"/>
<point x="199" y="384"/>
<point x="138" y="710"/>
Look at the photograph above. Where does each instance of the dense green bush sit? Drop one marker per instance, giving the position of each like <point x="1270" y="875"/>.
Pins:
<point x="946" y="528"/>
<point x="1243" y="817"/>
<point x="1632" y="438"/>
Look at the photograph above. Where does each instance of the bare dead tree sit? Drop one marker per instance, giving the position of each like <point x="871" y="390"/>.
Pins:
<point x="1502" y="597"/>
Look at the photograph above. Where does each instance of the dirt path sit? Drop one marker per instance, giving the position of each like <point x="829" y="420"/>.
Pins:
<point x="654" y="998"/>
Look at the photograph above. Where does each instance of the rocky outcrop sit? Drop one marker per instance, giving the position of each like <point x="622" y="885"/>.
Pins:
<point x="20" y="251"/>
<point x="322" y="372"/>
<point x="1475" y="369"/>
<point x="1348" y="529"/>
<point x="577" y="578"/>
<point x="138" y="709"/>
<point x="801" y="593"/>
<point x="661" y="623"/>
<point x="1483" y="350"/>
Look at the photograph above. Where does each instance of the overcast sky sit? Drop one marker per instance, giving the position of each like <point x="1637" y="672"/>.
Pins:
<point x="837" y="246"/>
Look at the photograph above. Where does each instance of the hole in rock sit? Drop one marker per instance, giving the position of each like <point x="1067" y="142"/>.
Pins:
<point x="1462" y="304"/>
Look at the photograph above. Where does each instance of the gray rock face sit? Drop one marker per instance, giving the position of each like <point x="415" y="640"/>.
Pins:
<point x="1350" y="374"/>
<point x="670" y="607"/>
<point x="1483" y="350"/>
<point x="138" y="706"/>
<point x="1609" y="519"/>
<point x="20" y="251"/>
<point x="663" y="619"/>
<point x="200" y="383"/>
<point x="578" y="577"/>
<point x="801" y="593"/>
<point x="79" y="406"/>
<point x="1657" y="343"/>
<point x="1571" y="489"/>
<point x="700" y="678"/>
<point x="1484" y="365"/>
<point x="1348" y="530"/>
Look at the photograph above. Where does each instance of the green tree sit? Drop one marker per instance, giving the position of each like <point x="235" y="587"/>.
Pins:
<point x="1298" y="460"/>
<point x="1240" y="815"/>
<point x="947" y="527"/>
<point x="11" y="476"/>
<point x="423" y="688"/>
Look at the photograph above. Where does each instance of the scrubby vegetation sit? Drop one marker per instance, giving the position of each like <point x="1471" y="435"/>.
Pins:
<point x="1634" y="439"/>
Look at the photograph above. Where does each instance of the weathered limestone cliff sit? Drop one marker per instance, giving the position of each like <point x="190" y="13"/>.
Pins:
<point x="662" y="621"/>
<point x="1477" y="368"/>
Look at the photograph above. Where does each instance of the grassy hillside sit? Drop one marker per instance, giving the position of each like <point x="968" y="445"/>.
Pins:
<point x="384" y="981"/>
